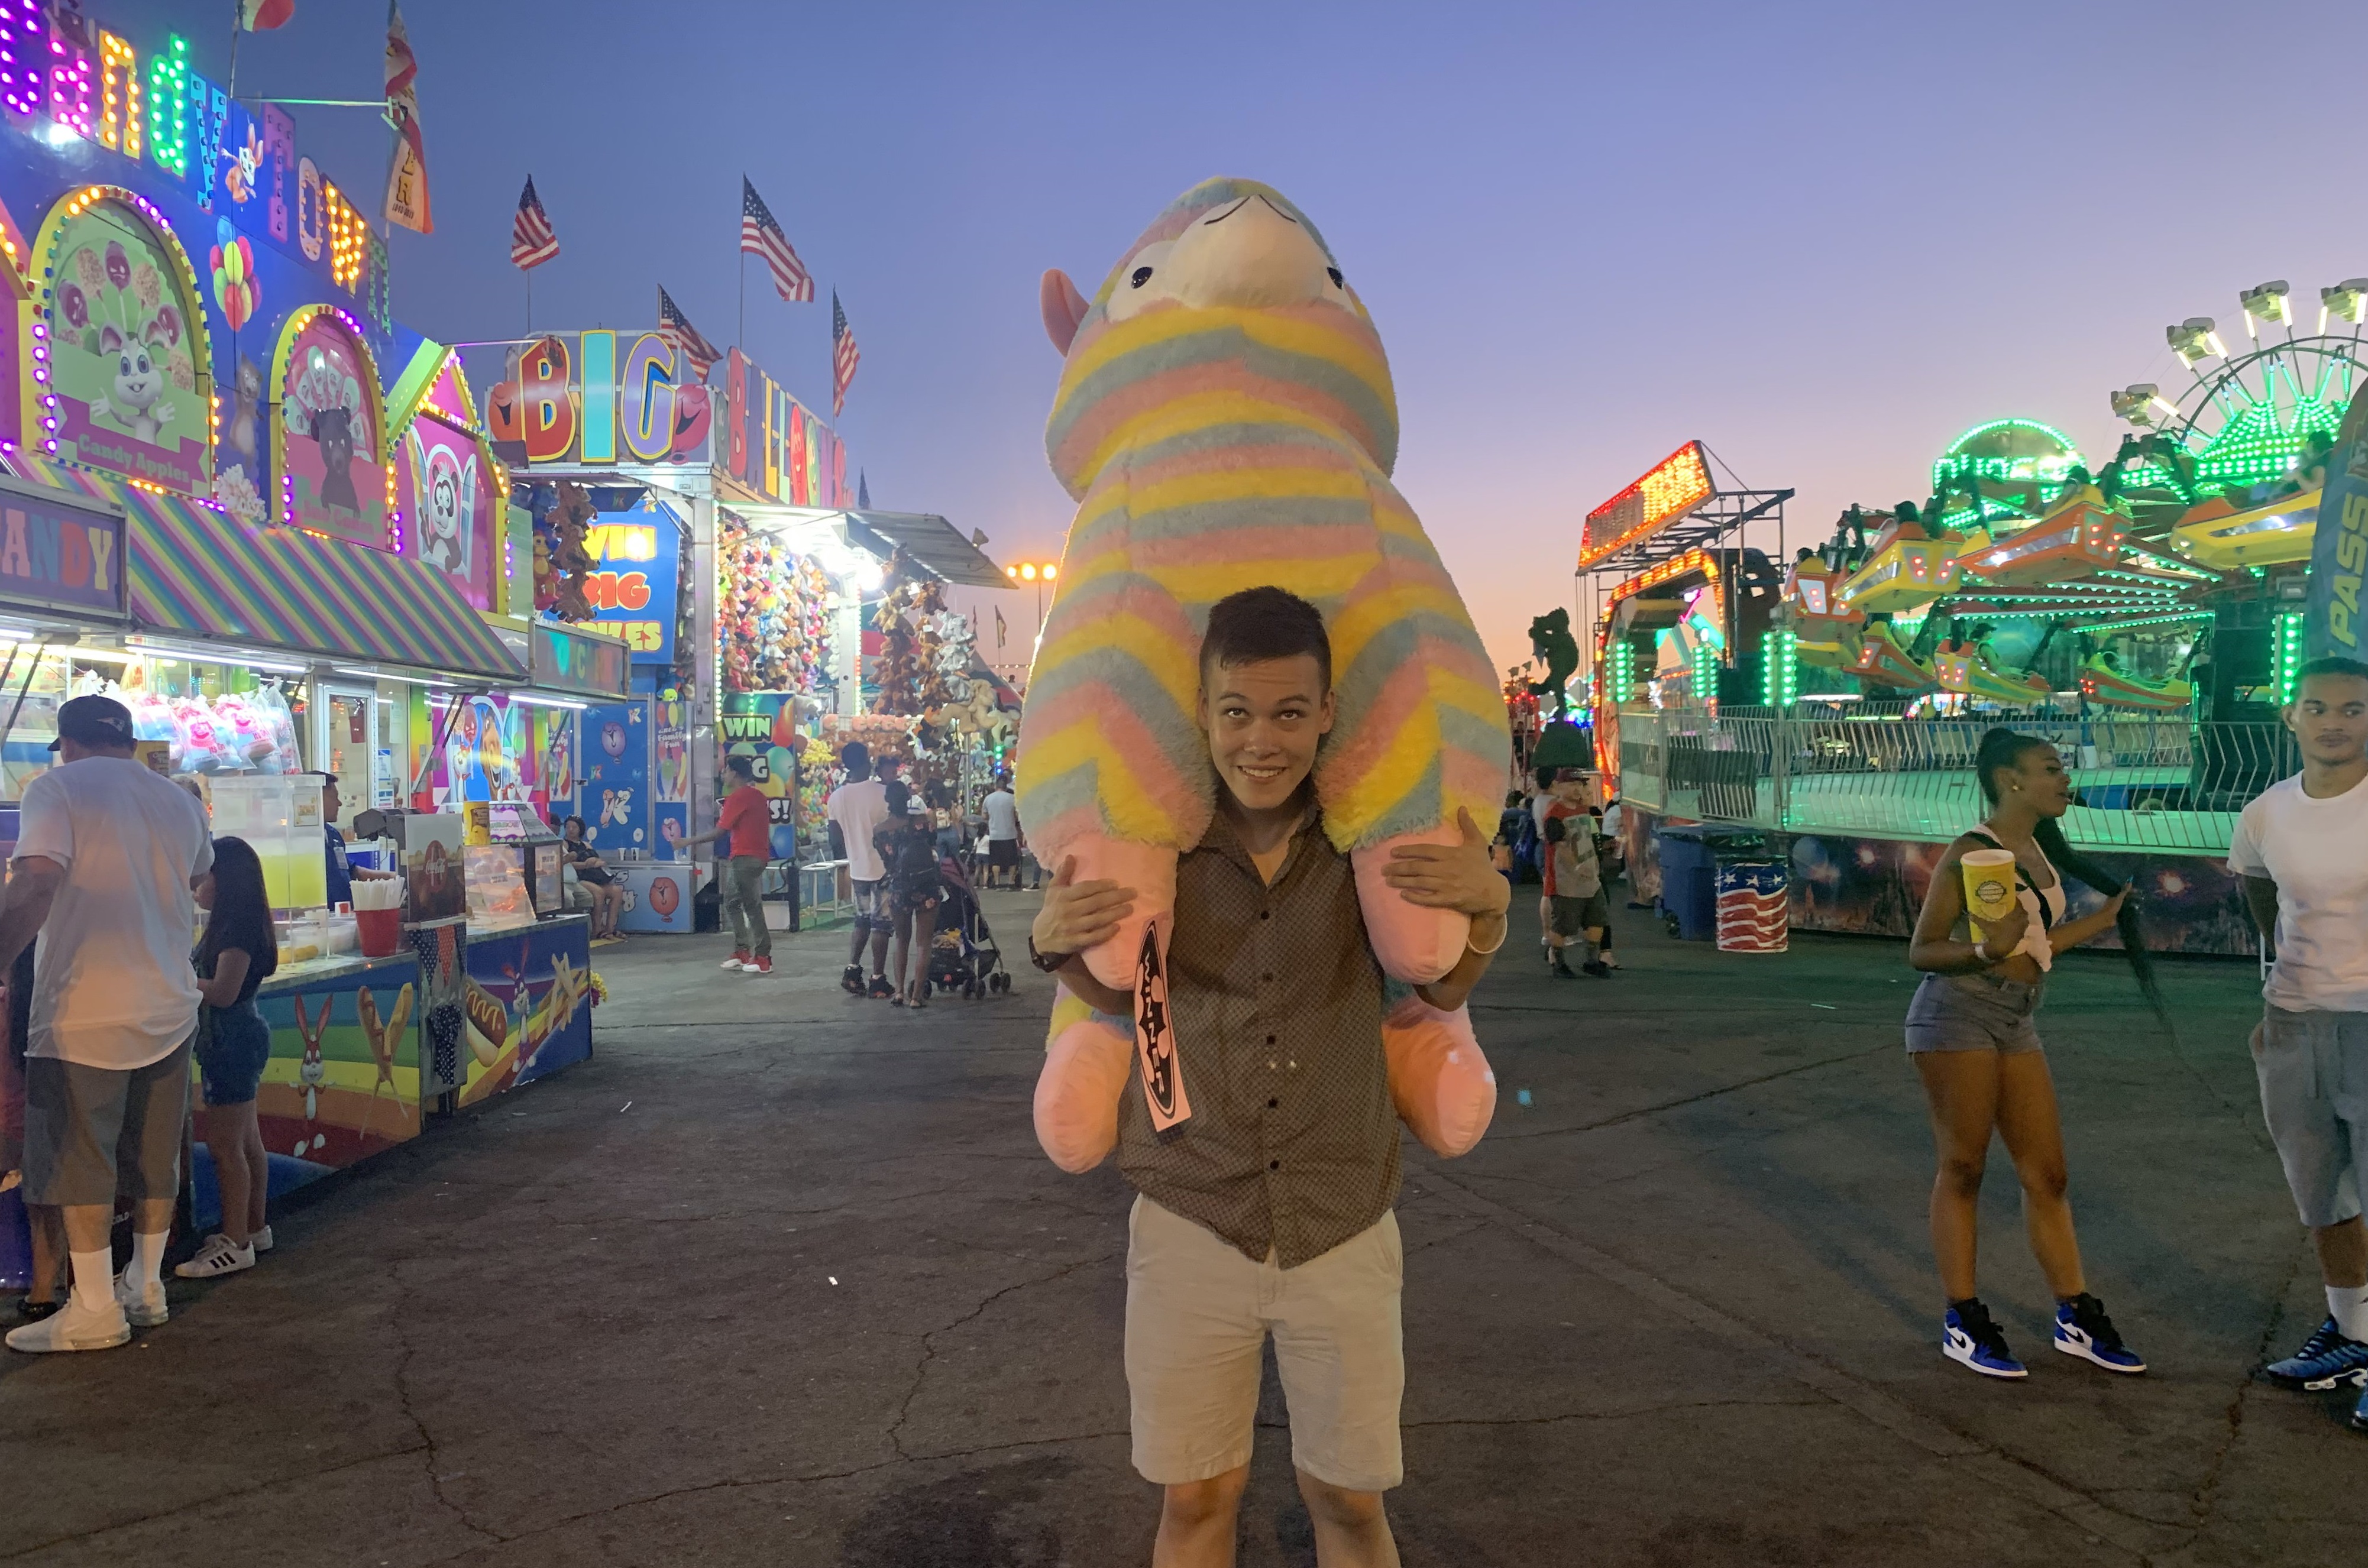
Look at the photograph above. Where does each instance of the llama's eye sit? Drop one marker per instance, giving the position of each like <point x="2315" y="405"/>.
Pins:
<point x="1334" y="274"/>
<point x="1141" y="276"/>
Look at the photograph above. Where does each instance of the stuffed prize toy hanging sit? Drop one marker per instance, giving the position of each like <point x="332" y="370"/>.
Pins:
<point x="1226" y="420"/>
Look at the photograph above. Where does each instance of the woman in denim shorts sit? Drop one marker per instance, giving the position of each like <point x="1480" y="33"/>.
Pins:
<point x="1971" y="1036"/>
<point x="238" y="952"/>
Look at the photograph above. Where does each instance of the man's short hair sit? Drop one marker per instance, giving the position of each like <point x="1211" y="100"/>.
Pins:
<point x="746" y="767"/>
<point x="2334" y="665"/>
<point x="1260" y="624"/>
<point x="855" y="757"/>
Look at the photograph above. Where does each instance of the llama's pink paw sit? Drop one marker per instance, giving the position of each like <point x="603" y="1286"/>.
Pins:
<point x="1415" y="944"/>
<point x="1085" y="1071"/>
<point x="1439" y="1079"/>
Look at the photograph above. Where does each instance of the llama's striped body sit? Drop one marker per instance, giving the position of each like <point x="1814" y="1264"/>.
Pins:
<point x="1217" y="449"/>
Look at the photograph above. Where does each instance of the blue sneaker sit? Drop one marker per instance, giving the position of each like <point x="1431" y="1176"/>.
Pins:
<point x="1968" y="1334"/>
<point x="2082" y="1329"/>
<point x="2325" y="1360"/>
<point x="2359" y="1414"/>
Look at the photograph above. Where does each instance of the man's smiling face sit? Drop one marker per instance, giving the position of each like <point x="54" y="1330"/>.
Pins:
<point x="1264" y="721"/>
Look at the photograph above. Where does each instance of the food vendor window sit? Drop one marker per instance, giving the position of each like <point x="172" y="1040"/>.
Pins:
<point x="210" y="720"/>
<point x="349" y="746"/>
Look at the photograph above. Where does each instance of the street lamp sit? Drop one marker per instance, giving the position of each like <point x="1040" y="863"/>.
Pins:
<point x="1039" y="573"/>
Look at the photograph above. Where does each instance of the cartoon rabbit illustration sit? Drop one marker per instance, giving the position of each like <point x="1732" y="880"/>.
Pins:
<point x="137" y="401"/>
<point x="313" y="1073"/>
<point x="384" y="1039"/>
<point x="615" y="804"/>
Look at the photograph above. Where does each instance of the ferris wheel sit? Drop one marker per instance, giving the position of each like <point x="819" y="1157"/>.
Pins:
<point x="2255" y="413"/>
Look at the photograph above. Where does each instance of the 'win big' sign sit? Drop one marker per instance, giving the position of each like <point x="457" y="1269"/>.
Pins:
<point x="58" y="556"/>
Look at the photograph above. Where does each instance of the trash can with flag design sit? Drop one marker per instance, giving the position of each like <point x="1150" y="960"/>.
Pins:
<point x="1751" y="906"/>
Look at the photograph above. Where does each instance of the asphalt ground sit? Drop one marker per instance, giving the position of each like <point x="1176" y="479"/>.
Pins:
<point x="780" y="1276"/>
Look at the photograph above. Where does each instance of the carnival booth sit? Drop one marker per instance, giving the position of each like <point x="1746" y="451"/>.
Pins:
<point x="241" y="498"/>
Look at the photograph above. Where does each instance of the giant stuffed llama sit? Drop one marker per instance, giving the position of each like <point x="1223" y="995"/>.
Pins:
<point x="1226" y="420"/>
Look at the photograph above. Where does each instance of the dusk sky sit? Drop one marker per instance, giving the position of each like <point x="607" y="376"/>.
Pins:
<point x="1822" y="238"/>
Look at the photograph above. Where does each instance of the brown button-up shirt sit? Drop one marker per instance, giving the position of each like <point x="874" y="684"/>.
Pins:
<point x="1276" y="1001"/>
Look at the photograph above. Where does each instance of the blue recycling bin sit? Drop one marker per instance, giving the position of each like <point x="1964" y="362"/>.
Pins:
<point x="1691" y="853"/>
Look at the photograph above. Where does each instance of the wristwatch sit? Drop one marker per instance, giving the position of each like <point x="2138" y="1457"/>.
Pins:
<point x="1048" y="962"/>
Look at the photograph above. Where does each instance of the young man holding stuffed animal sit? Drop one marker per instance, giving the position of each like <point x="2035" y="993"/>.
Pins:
<point x="1268" y="1208"/>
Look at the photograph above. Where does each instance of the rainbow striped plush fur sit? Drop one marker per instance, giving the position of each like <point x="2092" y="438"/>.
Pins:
<point x="1226" y="421"/>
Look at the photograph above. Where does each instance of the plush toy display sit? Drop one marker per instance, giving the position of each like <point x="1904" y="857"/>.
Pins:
<point x="775" y="616"/>
<point x="1226" y="420"/>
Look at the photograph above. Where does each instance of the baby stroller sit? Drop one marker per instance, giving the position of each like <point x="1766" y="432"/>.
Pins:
<point x="962" y="955"/>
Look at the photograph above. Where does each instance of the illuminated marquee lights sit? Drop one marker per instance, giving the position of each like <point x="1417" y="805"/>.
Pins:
<point x="2288" y="650"/>
<point x="2257" y="448"/>
<point x="1673" y="487"/>
<point x="1780" y="671"/>
<point x="24" y="48"/>
<point x="1622" y="661"/>
<point x="346" y="231"/>
<point x="72" y="89"/>
<point x="118" y="96"/>
<point x="168" y="90"/>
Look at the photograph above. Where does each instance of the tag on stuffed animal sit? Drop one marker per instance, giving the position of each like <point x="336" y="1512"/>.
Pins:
<point x="1155" y="1035"/>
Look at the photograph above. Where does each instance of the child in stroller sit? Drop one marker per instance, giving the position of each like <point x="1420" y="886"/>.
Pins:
<point x="964" y="957"/>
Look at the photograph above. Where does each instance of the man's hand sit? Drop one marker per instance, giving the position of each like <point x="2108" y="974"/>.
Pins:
<point x="1451" y="876"/>
<point x="1078" y="915"/>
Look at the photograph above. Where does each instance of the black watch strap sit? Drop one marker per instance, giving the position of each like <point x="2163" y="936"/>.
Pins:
<point x="1048" y="962"/>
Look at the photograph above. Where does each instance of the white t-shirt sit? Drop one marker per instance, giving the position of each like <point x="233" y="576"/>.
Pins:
<point x="1002" y="815"/>
<point x="860" y="809"/>
<point x="112" y="983"/>
<point x="2317" y="851"/>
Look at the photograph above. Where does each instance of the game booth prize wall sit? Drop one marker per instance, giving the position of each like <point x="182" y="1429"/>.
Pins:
<point x="241" y="498"/>
<point x="723" y="545"/>
<point x="2146" y="614"/>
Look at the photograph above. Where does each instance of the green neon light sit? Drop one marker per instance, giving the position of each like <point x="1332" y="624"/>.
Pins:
<point x="2259" y="446"/>
<point x="1780" y="668"/>
<point x="1623" y="673"/>
<point x="2287" y="648"/>
<point x="168" y="90"/>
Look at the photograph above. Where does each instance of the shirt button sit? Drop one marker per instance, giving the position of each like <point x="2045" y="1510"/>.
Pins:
<point x="1270" y="1040"/>
<point x="1271" y="1104"/>
<point x="1274" y="1165"/>
<point x="1265" y="915"/>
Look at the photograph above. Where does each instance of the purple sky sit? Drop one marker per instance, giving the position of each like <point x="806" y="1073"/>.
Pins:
<point x="1822" y="238"/>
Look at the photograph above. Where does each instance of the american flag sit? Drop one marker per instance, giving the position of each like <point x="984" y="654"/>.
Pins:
<point x="676" y="328"/>
<point x="532" y="240"/>
<point x="843" y="356"/>
<point x="761" y="234"/>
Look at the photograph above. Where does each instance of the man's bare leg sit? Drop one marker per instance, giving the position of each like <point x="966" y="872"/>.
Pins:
<point x="2342" y="1253"/>
<point x="1197" y="1522"/>
<point x="1351" y="1528"/>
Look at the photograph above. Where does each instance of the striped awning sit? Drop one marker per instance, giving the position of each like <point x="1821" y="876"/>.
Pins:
<point x="200" y="572"/>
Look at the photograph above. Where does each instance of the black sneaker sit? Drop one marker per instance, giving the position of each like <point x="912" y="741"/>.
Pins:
<point x="1596" y="968"/>
<point x="851" y="980"/>
<point x="1562" y="971"/>
<point x="880" y="986"/>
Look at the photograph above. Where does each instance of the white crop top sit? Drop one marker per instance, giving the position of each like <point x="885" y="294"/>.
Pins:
<point x="2037" y="905"/>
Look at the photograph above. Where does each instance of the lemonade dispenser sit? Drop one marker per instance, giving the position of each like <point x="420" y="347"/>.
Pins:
<point x="280" y="817"/>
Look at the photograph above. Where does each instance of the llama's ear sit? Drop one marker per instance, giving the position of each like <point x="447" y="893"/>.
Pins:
<point x="1064" y="309"/>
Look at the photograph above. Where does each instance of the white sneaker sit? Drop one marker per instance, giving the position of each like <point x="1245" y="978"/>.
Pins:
<point x="261" y="1240"/>
<point x="739" y="960"/>
<point x="146" y="1308"/>
<point x="220" y="1255"/>
<point x="72" y="1328"/>
<point x="1606" y="960"/>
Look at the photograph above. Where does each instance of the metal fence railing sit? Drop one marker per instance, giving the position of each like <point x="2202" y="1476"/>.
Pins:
<point x="2161" y="784"/>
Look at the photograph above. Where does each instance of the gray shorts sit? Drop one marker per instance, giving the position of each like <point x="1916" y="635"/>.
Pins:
<point x="1974" y="1012"/>
<point x="871" y="907"/>
<point x="92" y="1132"/>
<point x="1570" y="916"/>
<point x="2314" y="1074"/>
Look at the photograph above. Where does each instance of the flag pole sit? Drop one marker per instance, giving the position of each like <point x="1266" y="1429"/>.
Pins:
<point x="529" y="301"/>
<point x="740" y="334"/>
<point x="237" y="21"/>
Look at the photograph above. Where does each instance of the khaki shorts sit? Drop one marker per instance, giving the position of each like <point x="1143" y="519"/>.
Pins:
<point x="91" y="1132"/>
<point x="1197" y="1315"/>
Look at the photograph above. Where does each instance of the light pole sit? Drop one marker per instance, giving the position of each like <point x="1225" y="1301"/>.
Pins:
<point x="1039" y="573"/>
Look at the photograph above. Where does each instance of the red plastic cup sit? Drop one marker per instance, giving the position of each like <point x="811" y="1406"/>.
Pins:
<point x="380" y="931"/>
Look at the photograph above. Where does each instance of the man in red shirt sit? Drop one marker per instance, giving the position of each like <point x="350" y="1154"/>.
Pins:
<point x="746" y="820"/>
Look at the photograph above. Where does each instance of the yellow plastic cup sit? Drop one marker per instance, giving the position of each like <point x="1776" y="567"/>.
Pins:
<point x="1989" y="885"/>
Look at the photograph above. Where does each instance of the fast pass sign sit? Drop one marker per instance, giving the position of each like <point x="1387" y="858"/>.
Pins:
<point x="636" y="566"/>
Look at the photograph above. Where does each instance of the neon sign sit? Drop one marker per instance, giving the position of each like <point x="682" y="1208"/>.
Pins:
<point x="1670" y="489"/>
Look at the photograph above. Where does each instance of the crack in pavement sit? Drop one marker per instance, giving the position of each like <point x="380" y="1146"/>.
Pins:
<point x="401" y="1319"/>
<point x="234" y="1494"/>
<point x="1711" y="1094"/>
<point x="929" y="1349"/>
<point x="2206" y="1493"/>
<point x="1620" y="1414"/>
<point x="2032" y="1483"/>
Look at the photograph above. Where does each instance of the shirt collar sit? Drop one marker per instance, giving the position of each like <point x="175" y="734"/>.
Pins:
<point x="1222" y="838"/>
